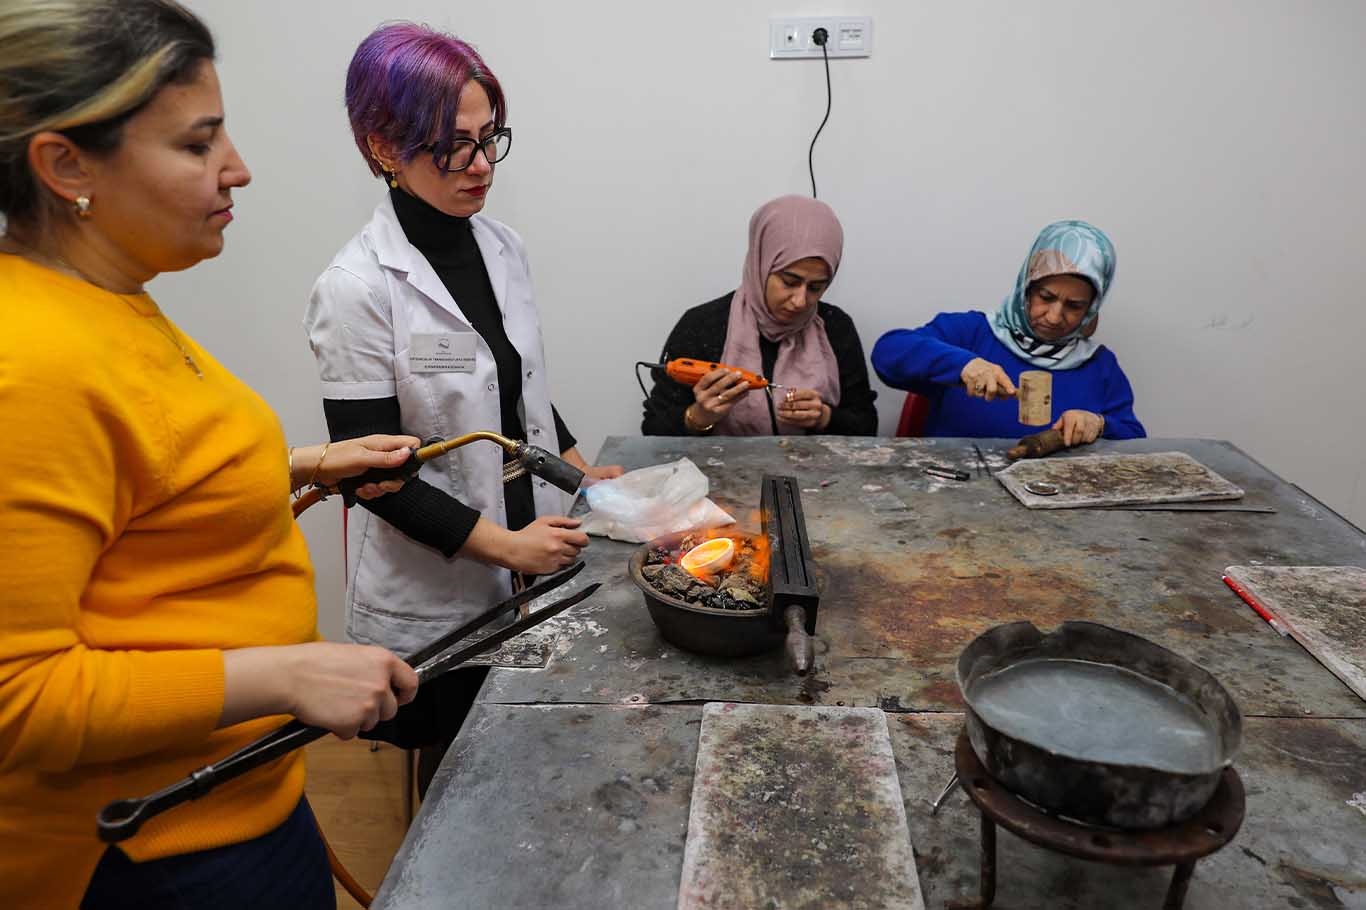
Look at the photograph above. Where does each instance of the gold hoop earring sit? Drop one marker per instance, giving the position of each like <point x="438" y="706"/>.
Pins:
<point x="83" y="206"/>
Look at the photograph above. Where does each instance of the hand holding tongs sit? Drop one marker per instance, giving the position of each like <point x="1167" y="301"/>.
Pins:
<point x="122" y="818"/>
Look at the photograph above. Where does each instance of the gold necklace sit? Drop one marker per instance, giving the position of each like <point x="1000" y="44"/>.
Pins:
<point x="52" y="259"/>
<point x="166" y="329"/>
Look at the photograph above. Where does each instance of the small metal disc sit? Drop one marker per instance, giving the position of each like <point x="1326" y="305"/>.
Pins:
<point x="1041" y="488"/>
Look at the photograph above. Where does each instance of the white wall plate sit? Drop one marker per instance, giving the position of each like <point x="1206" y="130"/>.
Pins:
<point x="789" y="38"/>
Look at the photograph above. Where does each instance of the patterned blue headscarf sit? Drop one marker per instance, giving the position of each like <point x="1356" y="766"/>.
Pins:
<point x="1062" y="248"/>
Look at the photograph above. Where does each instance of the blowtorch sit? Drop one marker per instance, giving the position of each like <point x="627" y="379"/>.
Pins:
<point x="526" y="459"/>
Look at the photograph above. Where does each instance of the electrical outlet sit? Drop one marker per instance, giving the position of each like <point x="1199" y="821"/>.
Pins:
<point x="789" y="38"/>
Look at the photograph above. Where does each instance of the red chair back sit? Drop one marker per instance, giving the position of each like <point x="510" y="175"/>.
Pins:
<point x="914" y="413"/>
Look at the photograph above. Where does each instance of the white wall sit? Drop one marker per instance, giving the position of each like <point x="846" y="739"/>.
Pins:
<point x="1219" y="143"/>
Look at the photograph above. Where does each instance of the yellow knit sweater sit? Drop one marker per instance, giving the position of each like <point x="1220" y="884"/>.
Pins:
<point x="144" y="528"/>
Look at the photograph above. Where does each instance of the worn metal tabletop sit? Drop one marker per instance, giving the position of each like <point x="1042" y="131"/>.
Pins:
<point x="570" y="785"/>
<point x="913" y="567"/>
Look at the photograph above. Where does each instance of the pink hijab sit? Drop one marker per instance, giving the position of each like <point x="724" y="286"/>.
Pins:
<point x="781" y="232"/>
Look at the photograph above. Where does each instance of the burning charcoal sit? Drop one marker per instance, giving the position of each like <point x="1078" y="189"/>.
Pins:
<point x="657" y="556"/>
<point x="746" y="600"/>
<point x="742" y="586"/>
<point x="673" y="581"/>
<point x="698" y="591"/>
<point x="741" y="603"/>
<point x="651" y="573"/>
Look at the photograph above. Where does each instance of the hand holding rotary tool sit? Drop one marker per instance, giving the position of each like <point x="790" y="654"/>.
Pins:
<point x="716" y="386"/>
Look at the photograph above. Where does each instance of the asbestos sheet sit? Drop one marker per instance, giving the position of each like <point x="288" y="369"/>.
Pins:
<point x="797" y="808"/>
<point x="1092" y="481"/>
<point x="1322" y="607"/>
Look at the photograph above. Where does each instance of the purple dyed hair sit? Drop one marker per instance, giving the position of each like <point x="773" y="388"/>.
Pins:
<point x="404" y="85"/>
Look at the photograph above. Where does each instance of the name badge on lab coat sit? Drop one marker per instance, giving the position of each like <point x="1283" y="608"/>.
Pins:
<point x="446" y="352"/>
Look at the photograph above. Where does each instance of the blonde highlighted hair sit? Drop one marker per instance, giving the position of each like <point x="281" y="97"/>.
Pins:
<point x="83" y="68"/>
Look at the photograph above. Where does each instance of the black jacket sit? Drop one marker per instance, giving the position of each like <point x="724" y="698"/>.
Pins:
<point x="701" y="334"/>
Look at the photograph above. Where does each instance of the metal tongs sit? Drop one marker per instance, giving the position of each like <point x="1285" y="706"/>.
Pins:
<point x="122" y="818"/>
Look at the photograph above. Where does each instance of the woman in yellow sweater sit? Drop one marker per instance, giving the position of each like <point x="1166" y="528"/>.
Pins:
<point x="158" y="608"/>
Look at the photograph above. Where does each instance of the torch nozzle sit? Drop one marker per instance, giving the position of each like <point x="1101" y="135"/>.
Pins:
<point x="548" y="467"/>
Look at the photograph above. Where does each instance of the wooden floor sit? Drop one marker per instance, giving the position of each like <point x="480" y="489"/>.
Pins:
<point x="357" y="796"/>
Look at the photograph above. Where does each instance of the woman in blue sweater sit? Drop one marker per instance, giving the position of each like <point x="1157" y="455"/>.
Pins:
<point x="967" y="363"/>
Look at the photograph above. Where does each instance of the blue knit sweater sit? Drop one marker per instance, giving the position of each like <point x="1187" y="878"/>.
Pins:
<point x="928" y="361"/>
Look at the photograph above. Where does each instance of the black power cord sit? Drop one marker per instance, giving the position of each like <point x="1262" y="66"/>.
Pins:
<point x="655" y="368"/>
<point x="820" y="36"/>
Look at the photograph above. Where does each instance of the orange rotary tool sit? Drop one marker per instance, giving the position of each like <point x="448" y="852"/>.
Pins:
<point x="687" y="371"/>
<point x="690" y="372"/>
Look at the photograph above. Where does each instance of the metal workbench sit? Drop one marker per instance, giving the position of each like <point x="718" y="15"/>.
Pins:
<point x="570" y="784"/>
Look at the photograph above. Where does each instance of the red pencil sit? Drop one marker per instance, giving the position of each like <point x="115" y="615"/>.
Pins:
<point x="1262" y="611"/>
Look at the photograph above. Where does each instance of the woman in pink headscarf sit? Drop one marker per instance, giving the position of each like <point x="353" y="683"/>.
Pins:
<point x="775" y="325"/>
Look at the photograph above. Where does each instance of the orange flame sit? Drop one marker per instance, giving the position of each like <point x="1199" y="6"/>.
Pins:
<point x="758" y="567"/>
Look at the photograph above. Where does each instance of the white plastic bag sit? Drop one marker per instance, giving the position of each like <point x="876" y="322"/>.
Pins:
<point x="649" y="502"/>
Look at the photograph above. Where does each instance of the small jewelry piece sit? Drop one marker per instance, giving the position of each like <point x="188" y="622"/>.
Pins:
<point x="1042" y="488"/>
<point x="319" y="466"/>
<point x="169" y="332"/>
<point x="83" y="206"/>
<point x="390" y="177"/>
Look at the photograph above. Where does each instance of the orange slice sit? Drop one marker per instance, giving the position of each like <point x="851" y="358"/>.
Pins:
<point x="710" y="557"/>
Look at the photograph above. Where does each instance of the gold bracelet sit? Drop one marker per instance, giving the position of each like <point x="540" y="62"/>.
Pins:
<point x="292" y="488"/>
<point x="696" y="427"/>
<point x="319" y="466"/>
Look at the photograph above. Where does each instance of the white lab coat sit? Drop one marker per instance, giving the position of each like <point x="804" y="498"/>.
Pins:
<point x="365" y="308"/>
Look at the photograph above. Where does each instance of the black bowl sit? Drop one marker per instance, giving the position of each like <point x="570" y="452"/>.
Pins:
<point x="703" y="630"/>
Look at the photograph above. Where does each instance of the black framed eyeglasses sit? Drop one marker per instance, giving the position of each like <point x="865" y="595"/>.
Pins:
<point x="454" y="155"/>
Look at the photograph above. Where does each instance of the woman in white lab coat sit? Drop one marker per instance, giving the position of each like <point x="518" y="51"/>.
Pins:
<point x="426" y="320"/>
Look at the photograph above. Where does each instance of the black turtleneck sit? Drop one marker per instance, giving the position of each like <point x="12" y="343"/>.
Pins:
<point x="449" y="245"/>
<point x="420" y="510"/>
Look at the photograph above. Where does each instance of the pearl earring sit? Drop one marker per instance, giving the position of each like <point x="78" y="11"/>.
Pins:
<point x="83" y="206"/>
